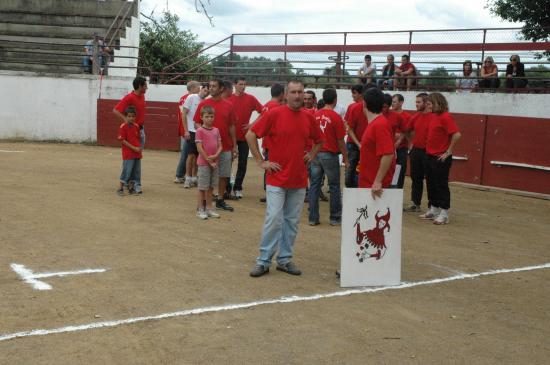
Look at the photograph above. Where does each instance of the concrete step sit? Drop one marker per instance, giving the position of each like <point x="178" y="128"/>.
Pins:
<point x="24" y="57"/>
<point x="45" y="43"/>
<point x="42" y="52"/>
<point x="107" y="8"/>
<point x="52" y="31"/>
<point x="47" y="68"/>
<point x="59" y="20"/>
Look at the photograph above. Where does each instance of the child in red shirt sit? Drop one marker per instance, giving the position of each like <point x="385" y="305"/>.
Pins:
<point x="209" y="146"/>
<point x="130" y="138"/>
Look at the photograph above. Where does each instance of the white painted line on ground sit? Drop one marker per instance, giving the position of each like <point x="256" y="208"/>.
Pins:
<point x="29" y="277"/>
<point x="228" y="307"/>
<point x="8" y="151"/>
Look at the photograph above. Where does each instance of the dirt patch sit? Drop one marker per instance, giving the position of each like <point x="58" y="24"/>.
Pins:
<point x="59" y="211"/>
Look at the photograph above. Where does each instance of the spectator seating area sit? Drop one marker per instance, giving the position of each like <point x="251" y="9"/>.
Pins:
<point x="49" y="35"/>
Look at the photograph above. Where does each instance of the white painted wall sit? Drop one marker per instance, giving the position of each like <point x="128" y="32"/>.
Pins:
<point x="49" y="107"/>
<point x="121" y="55"/>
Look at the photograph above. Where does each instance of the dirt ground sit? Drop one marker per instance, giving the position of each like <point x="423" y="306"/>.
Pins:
<point x="59" y="212"/>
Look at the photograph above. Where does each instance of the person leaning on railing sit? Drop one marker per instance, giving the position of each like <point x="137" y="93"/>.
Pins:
<point x="515" y="73"/>
<point x="468" y="81"/>
<point x="489" y="74"/>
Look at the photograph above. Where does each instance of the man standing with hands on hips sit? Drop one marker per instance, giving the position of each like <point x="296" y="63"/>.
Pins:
<point x="289" y="129"/>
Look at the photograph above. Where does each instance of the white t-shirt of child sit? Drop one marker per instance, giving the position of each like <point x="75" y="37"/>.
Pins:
<point x="191" y="104"/>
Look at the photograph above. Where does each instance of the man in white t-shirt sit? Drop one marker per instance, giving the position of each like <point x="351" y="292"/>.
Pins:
<point x="367" y="71"/>
<point x="188" y="110"/>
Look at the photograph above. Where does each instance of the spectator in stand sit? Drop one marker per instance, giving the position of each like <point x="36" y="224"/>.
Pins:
<point x="419" y="134"/>
<point x="443" y="134"/>
<point x="406" y="73"/>
<point x="356" y="123"/>
<point x="404" y="131"/>
<point x="367" y="71"/>
<point x="388" y="72"/>
<point x="468" y="81"/>
<point x="489" y="74"/>
<point x="515" y="74"/>
<point x="103" y="53"/>
<point x="327" y="160"/>
<point x="243" y="106"/>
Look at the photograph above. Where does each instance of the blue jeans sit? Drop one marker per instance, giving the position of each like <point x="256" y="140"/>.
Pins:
<point x="329" y="164"/>
<point x="180" y="170"/>
<point x="131" y="171"/>
<point x="351" y="172"/>
<point x="282" y="215"/>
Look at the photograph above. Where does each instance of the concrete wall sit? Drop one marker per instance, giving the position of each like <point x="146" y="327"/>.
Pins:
<point x="126" y="57"/>
<point x="47" y="107"/>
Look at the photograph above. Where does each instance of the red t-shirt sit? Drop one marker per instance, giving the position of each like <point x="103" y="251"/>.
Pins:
<point x="181" y="132"/>
<point x="356" y="119"/>
<point x="405" y="127"/>
<point x="377" y="141"/>
<point x="243" y="106"/>
<point x="137" y="101"/>
<point x="440" y="129"/>
<point x="395" y="121"/>
<point x="129" y="133"/>
<point x="289" y="132"/>
<point x="223" y="119"/>
<point x="332" y="127"/>
<point x="268" y="106"/>
<point x="419" y="123"/>
<point x="407" y="66"/>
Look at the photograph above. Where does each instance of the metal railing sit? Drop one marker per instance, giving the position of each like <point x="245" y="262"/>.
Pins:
<point x="333" y="58"/>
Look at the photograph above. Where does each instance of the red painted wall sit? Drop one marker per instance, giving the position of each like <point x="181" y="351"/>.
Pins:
<point x="484" y="139"/>
<point x="161" y="125"/>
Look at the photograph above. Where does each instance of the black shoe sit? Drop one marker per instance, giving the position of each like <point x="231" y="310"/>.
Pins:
<point x="258" y="271"/>
<point x="289" y="268"/>
<point x="263" y="200"/>
<point x="228" y="196"/>
<point x="221" y="204"/>
<point x="337" y="274"/>
<point x="323" y="197"/>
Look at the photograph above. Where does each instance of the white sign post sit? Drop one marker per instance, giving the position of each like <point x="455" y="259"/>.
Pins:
<point x="371" y="238"/>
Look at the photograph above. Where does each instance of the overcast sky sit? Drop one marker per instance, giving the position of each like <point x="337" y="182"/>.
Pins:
<point x="256" y="16"/>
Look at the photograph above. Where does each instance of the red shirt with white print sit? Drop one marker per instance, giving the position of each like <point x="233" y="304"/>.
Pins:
<point x="333" y="129"/>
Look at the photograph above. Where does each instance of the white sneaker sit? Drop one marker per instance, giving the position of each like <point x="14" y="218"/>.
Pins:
<point x="239" y="194"/>
<point x="212" y="214"/>
<point x="195" y="181"/>
<point x="430" y="214"/>
<point x="179" y="180"/>
<point x="202" y="214"/>
<point x="442" y="218"/>
<point x="187" y="183"/>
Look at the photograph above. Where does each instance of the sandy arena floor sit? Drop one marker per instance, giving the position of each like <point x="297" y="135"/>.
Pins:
<point x="59" y="212"/>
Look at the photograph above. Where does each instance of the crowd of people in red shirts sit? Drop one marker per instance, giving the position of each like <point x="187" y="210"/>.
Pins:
<point x="303" y="141"/>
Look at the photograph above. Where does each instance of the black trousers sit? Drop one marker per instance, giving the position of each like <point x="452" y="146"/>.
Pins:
<point x="402" y="154"/>
<point x="437" y="179"/>
<point x="351" y="172"/>
<point x="417" y="156"/>
<point x="241" y="167"/>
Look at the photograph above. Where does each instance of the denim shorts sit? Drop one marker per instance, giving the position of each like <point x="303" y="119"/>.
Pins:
<point x="224" y="164"/>
<point x="131" y="171"/>
<point x="207" y="177"/>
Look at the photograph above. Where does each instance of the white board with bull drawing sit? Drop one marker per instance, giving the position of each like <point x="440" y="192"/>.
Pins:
<point x="371" y="238"/>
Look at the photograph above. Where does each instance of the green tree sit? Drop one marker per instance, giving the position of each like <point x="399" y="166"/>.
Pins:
<point x="439" y="72"/>
<point x="162" y="43"/>
<point x="538" y="71"/>
<point x="254" y="68"/>
<point x="534" y="13"/>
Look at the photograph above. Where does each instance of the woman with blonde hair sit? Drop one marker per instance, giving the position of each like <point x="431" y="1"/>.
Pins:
<point x="443" y="135"/>
<point x="489" y="74"/>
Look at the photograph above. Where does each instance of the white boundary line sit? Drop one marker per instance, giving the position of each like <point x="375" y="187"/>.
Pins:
<point x="29" y="277"/>
<point x="8" y="151"/>
<point x="228" y="307"/>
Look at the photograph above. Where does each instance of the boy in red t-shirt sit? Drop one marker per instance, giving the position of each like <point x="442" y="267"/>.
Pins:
<point x="129" y="136"/>
<point x="209" y="145"/>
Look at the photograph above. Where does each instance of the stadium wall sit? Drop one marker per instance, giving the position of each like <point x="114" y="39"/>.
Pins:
<point x="504" y="144"/>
